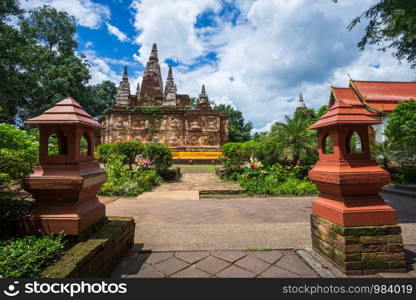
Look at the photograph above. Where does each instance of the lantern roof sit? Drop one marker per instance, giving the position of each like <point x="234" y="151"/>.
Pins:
<point x="342" y="113"/>
<point x="67" y="111"/>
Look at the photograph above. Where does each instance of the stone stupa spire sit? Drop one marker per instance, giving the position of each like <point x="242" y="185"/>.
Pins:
<point x="301" y="103"/>
<point x="170" y="89"/>
<point x="203" y="99"/>
<point x="138" y="89"/>
<point x="123" y="90"/>
<point x="152" y="85"/>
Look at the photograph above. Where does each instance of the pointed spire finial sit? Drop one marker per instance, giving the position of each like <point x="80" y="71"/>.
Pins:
<point x="153" y="54"/>
<point x="170" y="73"/>
<point x="125" y="74"/>
<point x="203" y="99"/>
<point x="301" y="103"/>
<point x="138" y="89"/>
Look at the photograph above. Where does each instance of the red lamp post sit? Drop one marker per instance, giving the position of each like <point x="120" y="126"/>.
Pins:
<point x="351" y="223"/>
<point x="65" y="184"/>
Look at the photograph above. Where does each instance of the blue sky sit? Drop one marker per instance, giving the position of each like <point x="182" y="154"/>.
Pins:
<point x="255" y="55"/>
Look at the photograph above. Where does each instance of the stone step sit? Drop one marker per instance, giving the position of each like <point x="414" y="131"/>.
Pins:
<point x="319" y="264"/>
<point x="221" y="192"/>
<point x="406" y="187"/>
<point x="398" y="192"/>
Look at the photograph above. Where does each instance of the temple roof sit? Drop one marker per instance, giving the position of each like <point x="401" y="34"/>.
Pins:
<point x="348" y="96"/>
<point x="67" y="111"/>
<point x="342" y="113"/>
<point x="384" y="95"/>
<point x="385" y="90"/>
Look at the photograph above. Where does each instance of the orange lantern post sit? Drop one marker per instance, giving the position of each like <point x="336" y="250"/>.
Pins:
<point x="351" y="223"/>
<point x="66" y="182"/>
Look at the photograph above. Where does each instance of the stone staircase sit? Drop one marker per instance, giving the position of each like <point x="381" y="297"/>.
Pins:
<point x="403" y="190"/>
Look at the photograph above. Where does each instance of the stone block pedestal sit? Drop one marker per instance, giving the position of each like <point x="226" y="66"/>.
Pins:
<point x="359" y="250"/>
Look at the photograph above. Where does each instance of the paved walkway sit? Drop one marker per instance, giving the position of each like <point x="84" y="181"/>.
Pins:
<point x="172" y="222"/>
<point x="216" y="264"/>
<point x="193" y="182"/>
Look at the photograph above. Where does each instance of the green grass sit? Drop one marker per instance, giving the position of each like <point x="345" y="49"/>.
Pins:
<point x="259" y="249"/>
<point x="197" y="168"/>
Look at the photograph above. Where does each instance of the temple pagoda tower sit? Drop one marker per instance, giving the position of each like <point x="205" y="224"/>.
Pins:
<point x="301" y="103"/>
<point x="123" y="91"/>
<point x="155" y="114"/>
<point x="152" y="85"/>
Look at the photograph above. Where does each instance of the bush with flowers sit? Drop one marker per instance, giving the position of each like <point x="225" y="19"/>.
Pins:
<point x="259" y="170"/>
<point x="123" y="181"/>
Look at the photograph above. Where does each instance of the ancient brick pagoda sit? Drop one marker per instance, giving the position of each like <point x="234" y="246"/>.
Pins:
<point x="155" y="114"/>
<point x="351" y="223"/>
<point x="65" y="184"/>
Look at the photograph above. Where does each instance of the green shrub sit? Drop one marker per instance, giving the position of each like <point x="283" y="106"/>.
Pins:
<point x="18" y="154"/>
<point x="405" y="174"/>
<point x="13" y="206"/>
<point x="103" y="151"/>
<point x="129" y="150"/>
<point x="123" y="181"/>
<point x="294" y="186"/>
<point x="269" y="152"/>
<point x="273" y="185"/>
<point x="236" y="154"/>
<point x="159" y="153"/>
<point x="30" y="255"/>
<point x="161" y="156"/>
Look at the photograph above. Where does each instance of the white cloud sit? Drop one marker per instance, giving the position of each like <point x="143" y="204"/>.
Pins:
<point x="170" y="24"/>
<point x="86" y="12"/>
<point x="88" y="44"/>
<point x="121" y="36"/>
<point x="266" y="56"/>
<point x="100" y="69"/>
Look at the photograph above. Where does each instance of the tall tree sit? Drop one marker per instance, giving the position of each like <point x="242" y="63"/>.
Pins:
<point x="12" y="44"/>
<point x="401" y="128"/>
<point x="240" y="131"/>
<point x="99" y="97"/>
<point x="53" y="69"/>
<point x="391" y="25"/>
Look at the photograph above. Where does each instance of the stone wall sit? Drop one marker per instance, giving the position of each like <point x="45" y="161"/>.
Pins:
<point x="98" y="254"/>
<point x="180" y="129"/>
<point x="358" y="250"/>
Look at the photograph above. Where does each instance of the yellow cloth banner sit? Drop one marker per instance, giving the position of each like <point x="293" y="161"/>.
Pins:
<point x="196" y="155"/>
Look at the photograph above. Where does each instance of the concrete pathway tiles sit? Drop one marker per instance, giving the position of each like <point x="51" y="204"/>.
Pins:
<point x="171" y="266"/>
<point x="191" y="272"/>
<point x="192" y="256"/>
<point x="230" y="256"/>
<point x="147" y="271"/>
<point x="235" y="272"/>
<point x="294" y="264"/>
<point x="268" y="256"/>
<point x="276" y="272"/>
<point x="198" y="181"/>
<point x="204" y="264"/>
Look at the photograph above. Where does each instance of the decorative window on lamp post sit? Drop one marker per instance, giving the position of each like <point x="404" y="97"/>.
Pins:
<point x="66" y="182"/>
<point x="351" y="223"/>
